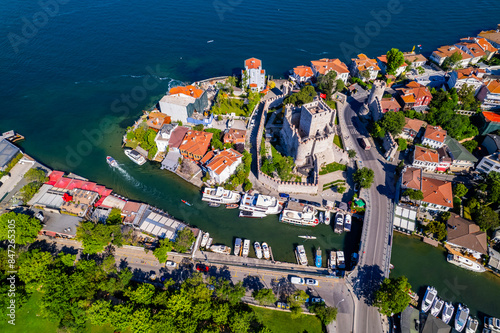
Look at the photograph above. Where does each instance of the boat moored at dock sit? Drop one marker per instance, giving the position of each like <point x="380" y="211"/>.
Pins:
<point x="213" y="204"/>
<point x="437" y="306"/>
<point x="260" y="203"/>
<point x="340" y="260"/>
<point x="135" y="156"/>
<point x="300" y="253"/>
<point x="307" y="237"/>
<point x="237" y="247"/>
<point x="318" y="260"/>
<point x="221" y="249"/>
<point x="231" y="206"/>
<point x="246" y="248"/>
<point x="461" y="317"/>
<point x="220" y="196"/>
<point x="332" y="262"/>
<point x="265" y="249"/>
<point x="430" y="295"/>
<point x="204" y="239"/>
<point x="295" y="213"/>
<point x="448" y="310"/>
<point x="472" y="325"/>
<point x="347" y="223"/>
<point x="244" y="213"/>
<point x="209" y="242"/>
<point x="339" y="223"/>
<point x="465" y="263"/>
<point x="258" y="250"/>
<point x="327" y="217"/>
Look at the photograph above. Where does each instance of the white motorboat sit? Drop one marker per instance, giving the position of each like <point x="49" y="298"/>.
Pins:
<point x="260" y="203"/>
<point x="340" y="260"/>
<point x="204" y="239"/>
<point x="332" y="262"/>
<point x="472" y="325"/>
<point x="111" y="161"/>
<point x="295" y="213"/>
<point x="465" y="263"/>
<point x="339" y="223"/>
<point x="307" y="237"/>
<point x="135" y="156"/>
<point x="327" y="217"/>
<point x="437" y="306"/>
<point x="220" y="196"/>
<point x="246" y="248"/>
<point x="448" y="310"/>
<point x="347" y="223"/>
<point x="244" y="213"/>
<point x="265" y="249"/>
<point x="237" y="247"/>
<point x="461" y="317"/>
<point x="221" y="249"/>
<point x="300" y="253"/>
<point x="321" y="217"/>
<point x="209" y="242"/>
<point x="258" y="250"/>
<point x="430" y="295"/>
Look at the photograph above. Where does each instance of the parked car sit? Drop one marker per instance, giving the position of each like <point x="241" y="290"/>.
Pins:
<point x="312" y="282"/>
<point x="293" y="199"/>
<point x="317" y="300"/>
<point x="170" y="263"/>
<point x="40" y="216"/>
<point x="356" y="187"/>
<point x="296" y="280"/>
<point x="202" y="268"/>
<point x="284" y="195"/>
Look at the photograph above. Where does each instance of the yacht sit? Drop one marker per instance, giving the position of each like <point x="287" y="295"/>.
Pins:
<point x="220" y="196"/>
<point x="461" y="317"/>
<point x="437" y="306"/>
<point x="308" y="237"/>
<point x="246" y="247"/>
<point x="237" y="247"/>
<point x="111" y="161"/>
<point x="340" y="260"/>
<point x="260" y="203"/>
<point x="221" y="249"/>
<point x="258" y="250"/>
<point x="327" y="217"/>
<point x="265" y="249"/>
<point x="135" y="156"/>
<point x="430" y="295"/>
<point x="347" y="223"/>
<point x="209" y="242"/>
<point x="465" y="263"/>
<point x="245" y="213"/>
<point x="448" y="310"/>
<point x="295" y="213"/>
<point x="318" y="260"/>
<point x="204" y="239"/>
<point x="339" y="223"/>
<point x="300" y="253"/>
<point x="332" y="262"/>
<point x="472" y="325"/>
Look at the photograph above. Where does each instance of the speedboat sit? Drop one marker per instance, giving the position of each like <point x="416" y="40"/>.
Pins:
<point x="472" y="325"/>
<point x="307" y="237"/>
<point x="333" y="260"/>
<point x="111" y="161"/>
<point x="327" y="217"/>
<point x="204" y="239"/>
<point x="220" y="249"/>
<point x="231" y="206"/>
<point x="246" y="247"/>
<point x="209" y="242"/>
<point x="318" y="261"/>
<point x="258" y="250"/>
<point x="461" y="317"/>
<point x="437" y="306"/>
<point x="213" y="204"/>
<point x="135" y="156"/>
<point x="465" y="263"/>
<point x="340" y="260"/>
<point x="265" y="249"/>
<point x="237" y="247"/>
<point x="430" y="295"/>
<point x="244" y="213"/>
<point x="448" y="310"/>
<point x="339" y="223"/>
<point x="347" y="223"/>
<point x="300" y="253"/>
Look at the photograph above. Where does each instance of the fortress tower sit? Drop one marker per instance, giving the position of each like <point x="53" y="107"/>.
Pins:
<point x="375" y="97"/>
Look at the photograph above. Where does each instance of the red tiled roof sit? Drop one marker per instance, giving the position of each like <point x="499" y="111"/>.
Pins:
<point x="235" y="136"/>
<point x="412" y="57"/>
<point x="363" y="63"/>
<point x="493" y="35"/>
<point x="208" y="156"/>
<point x="466" y="234"/>
<point x="303" y="71"/>
<point x="196" y="143"/>
<point x="54" y="177"/>
<point x="414" y="124"/>
<point x="222" y="160"/>
<point x="482" y="42"/>
<point x="437" y="192"/>
<point x="435" y="133"/>
<point x="253" y="85"/>
<point x="491" y="116"/>
<point x="449" y="50"/>
<point x="494" y="86"/>
<point x="325" y="65"/>
<point x="253" y="63"/>
<point x="426" y="155"/>
<point x="467" y="73"/>
<point x="188" y="91"/>
<point x="412" y="178"/>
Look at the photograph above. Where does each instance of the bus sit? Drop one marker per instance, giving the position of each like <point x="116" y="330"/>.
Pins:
<point x="365" y="143"/>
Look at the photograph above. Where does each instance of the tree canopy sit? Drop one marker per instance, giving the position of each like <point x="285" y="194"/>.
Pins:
<point x="161" y="251"/>
<point x="414" y="194"/>
<point x="486" y="218"/>
<point x="265" y="296"/>
<point x="95" y="237"/>
<point x="305" y="95"/>
<point x="395" y="59"/>
<point x="184" y="240"/>
<point x="461" y="190"/>
<point x="364" y="177"/>
<point x="392" y="122"/>
<point x="392" y="295"/>
<point x="19" y="228"/>
<point x="36" y="175"/>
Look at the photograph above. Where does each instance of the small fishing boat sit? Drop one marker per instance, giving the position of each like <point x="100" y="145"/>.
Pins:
<point x="332" y="262"/>
<point x="327" y="217"/>
<point x="437" y="306"/>
<point x="300" y="253"/>
<point x="318" y="260"/>
<point x="209" y="242"/>
<point x="430" y="295"/>
<point x="307" y="237"/>
<point x="246" y="247"/>
<point x="258" y="250"/>
<point x="461" y="317"/>
<point x="231" y="206"/>
<point x="185" y="202"/>
<point x="340" y="260"/>
<point x="472" y="325"/>
<point x="204" y="239"/>
<point x="448" y="310"/>
<point x="213" y="204"/>
<point x="111" y="161"/>
<point x="265" y="249"/>
<point x="237" y="247"/>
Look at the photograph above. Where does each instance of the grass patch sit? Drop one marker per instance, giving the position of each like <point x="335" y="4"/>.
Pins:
<point x="336" y="121"/>
<point x="298" y="179"/>
<point x="337" y="141"/>
<point x="332" y="167"/>
<point x="333" y="184"/>
<point x="230" y="105"/>
<point x="278" y="321"/>
<point x="332" y="105"/>
<point x="467" y="213"/>
<point x="131" y="144"/>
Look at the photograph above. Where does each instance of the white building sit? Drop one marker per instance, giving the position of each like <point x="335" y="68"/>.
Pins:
<point x="253" y="75"/>
<point x="364" y="68"/>
<point x="220" y="166"/>
<point x="443" y="52"/>
<point x="426" y="159"/>
<point x="163" y="136"/>
<point x="470" y="76"/>
<point x="182" y="102"/>
<point x="489" y="95"/>
<point x="489" y="163"/>
<point x="324" y="66"/>
<point x="302" y="74"/>
<point x="434" y="136"/>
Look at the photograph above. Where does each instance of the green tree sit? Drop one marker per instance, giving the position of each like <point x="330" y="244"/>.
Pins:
<point x="36" y="175"/>
<point x="377" y="130"/>
<point x="461" y="190"/>
<point x="18" y="229"/>
<point x="414" y="194"/>
<point x="324" y="313"/>
<point x="306" y="95"/>
<point x="486" y="218"/>
<point x="198" y="127"/>
<point x="351" y="153"/>
<point x="395" y="59"/>
<point x="114" y="217"/>
<point x="392" y="295"/>
<point x="438" y="229"/>
<point x="33" y="266"/>
<point x="264" y="296"/>
<point x="340" y="85"/>
<point x="95" y="237"/>
<point x="247" y="185"/>
<point x="402" y="144"/>
<point x="184" y="240"/>
<point x="99" y="312"/>
<point x="470" y="145"/>
<point x="364" y="177"/>
<point x="161" y="252"/>
<point x="326" y="83"/>
<point x="466" y="96"/>
<point x="143" y="294"/>
<point x="228" y="292"/>
<point x="29" y="190"/>
<point x="393" y="122"/>
<point x="341" y="189"/>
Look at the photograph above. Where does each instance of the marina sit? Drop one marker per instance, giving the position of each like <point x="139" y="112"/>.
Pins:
<point x="318" y="260"/>
<point x="339" y="223"/>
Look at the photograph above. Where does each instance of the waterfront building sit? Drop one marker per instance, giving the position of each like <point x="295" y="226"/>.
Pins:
<point x="195" y="144"/>
<point x="489" y="95"/>
<point x="489" y="163"/>
<point x="473" y="49"/>
<point x="160" y="225"/>
<point x="416" y="60"/>
<point x="113" y="202"/>
<point x="133" y="212"/>
<point x="424" y="158"/>
<point x="491" y="143"/>
<point x="493" y="36"/>
<point x="302" y="74"/>
<point x="234" y="136"/>
<point x="443" y="52"/>
<point x="182" y="103"/>
<point x="382" y="63"/>
<point x="390" y="104"/>
<point x="414" y="96"/>
<point x="58" y="225"/>
<point x="412" y="128"/>
<point x="462" y="159"/>
<point x="157" y="119"/>
<point x="163" y="137"/>
<point x="466" y="236"/>
<point x="490" y="122"/>
<point x="325" y="65"/>
<point x="254" y="76"/>
<point x="434" y="136"/>
<point x="405" y="218"/>
<point x="7" y="153"/>
<point x="471" y="77"/>
<point x="494" y="262"/>
<point x="364" y="68"/>
<point x="221" y="165"/>
<point x="176" y="138"/>
<point x="486" y="46"/>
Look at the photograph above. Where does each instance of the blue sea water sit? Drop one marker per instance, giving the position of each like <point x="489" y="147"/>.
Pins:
<point x="69" y="69"/>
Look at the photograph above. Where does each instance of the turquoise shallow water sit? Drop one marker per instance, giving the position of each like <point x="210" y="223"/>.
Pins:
<point x="65" y="77"/>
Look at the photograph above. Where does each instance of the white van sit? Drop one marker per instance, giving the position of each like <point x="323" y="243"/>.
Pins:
<point x="296" y="280"/>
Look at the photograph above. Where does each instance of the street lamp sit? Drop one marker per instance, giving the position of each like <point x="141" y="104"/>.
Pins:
<point x="339" y="302"/>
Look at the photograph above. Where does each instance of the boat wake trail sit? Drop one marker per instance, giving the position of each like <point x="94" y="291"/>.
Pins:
<point x="135" y="182"/>
<point x="318" y="54"/>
